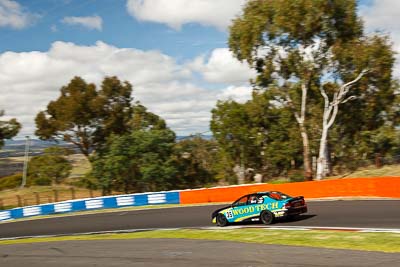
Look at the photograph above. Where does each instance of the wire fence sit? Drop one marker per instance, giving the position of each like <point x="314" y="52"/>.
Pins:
<point x="12" y="200"/>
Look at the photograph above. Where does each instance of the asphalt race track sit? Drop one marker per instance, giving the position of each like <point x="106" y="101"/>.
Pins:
<point x="355" y="213"/>
<point x="183" y="253"/>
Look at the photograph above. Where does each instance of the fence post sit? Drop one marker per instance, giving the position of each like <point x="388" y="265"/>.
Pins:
<point x="91" y="192"/>
<point x="1" y="204"/>
<point x="378" y="160"/>
<point x="72" y="192"/>
<point x="19" y="201"/>
<point x="37" y="197"/>
<point x="55" y="195"/>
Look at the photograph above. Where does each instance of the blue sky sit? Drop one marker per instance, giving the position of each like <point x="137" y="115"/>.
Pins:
<point x="119" y="28"/>
<point x="174" y="52"/>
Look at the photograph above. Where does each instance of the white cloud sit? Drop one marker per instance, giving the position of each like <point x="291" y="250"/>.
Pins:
<point x="222" y="67"/>
<point x="240" y="93"/>
<point x="13" y="15"/>
<point x="175" y="13"/>
<point x="91" y="22"/>
<point x="383" y="15"/>
<point x="29" y="80"/>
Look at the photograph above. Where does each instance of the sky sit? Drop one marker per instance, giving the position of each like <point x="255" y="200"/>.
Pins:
<point x="173" y="52"/>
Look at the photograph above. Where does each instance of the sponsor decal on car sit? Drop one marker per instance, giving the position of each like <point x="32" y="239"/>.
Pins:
<point x="254" y="208"/>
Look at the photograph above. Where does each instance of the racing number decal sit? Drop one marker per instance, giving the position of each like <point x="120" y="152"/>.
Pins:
<point x="229" y="214"/>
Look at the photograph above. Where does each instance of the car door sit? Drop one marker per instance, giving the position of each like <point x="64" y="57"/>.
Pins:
<point x="235" y="213"/>
<point x="244" y="208"/>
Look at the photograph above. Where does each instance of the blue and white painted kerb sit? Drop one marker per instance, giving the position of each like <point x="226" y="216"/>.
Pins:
<point x="170" y="197"/>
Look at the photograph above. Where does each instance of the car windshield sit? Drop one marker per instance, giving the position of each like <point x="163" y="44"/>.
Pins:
<point x="240" y="202"/>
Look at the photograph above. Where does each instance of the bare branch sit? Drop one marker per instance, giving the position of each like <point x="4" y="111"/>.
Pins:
<point x="348" y="99"/>
<point x="344" y="89"/>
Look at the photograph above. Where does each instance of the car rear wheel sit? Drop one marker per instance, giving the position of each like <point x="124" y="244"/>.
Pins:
<point x="221" y="220"/>
<point x="267" y="217"/>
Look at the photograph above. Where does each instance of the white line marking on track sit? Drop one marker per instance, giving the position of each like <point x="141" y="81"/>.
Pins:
<point x="286" y="228"/>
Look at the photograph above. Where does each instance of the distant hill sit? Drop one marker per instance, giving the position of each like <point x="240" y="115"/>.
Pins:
<point x="207" y="137"/>
<point x="16" y="148"/>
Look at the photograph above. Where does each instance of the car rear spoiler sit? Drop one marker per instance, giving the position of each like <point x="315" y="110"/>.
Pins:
<point x="296" y="198"/>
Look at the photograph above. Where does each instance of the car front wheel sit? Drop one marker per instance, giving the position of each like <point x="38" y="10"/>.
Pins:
<point x="267" y="217"/>
<point x="221" y="220"/>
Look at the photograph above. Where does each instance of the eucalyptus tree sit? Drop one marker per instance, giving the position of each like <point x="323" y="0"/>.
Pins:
<point x="137" y="162"/>
<point x="298" y="49"/>
<point x="85" y="116"/>
<point x="257" y="135"/>
<point x="8" y="128"/>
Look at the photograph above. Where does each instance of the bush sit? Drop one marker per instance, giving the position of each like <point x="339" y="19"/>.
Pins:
<point x="48" y="168"/>
<point x="296" y="176"/>
<point x="87" y="181"/>
<point x="42" y="181"/>
<point x="10" y="182"/>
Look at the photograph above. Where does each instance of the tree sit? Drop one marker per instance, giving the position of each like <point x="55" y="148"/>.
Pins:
<point x="85" y="116"/>
<point x="231" y="129"/>
<point x="8" y="129"/>
<point x="136" y="162"/>
<point x="52" y="167"/>
<point x="113" y="108"/>
<point x="331" y="108"/>
<point x="195" y="159"/>
<point x="294" y="46"/>
<point x="142" y="119"/>
<point x="258" y="134"/>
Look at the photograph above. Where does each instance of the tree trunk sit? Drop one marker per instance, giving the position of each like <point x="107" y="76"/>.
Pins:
<point x="323" y="150"/>
<point x="330" y="112"/>
<point x="301" y="118"/>
<point x="306" y="154"/>
<point x="239" y="171"/>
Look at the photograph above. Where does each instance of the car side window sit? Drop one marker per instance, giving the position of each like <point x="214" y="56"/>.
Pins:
<point x="275" y="196"/>
<point x="253" y="199"/>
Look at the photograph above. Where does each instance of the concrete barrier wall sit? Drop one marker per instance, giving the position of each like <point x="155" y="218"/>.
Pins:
<point x="355" y="187"/>
<point x="119" y="201"/>
<point x="352" y="187"/>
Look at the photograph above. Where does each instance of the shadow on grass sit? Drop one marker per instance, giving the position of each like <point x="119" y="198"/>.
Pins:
<point x="279" y="221"/>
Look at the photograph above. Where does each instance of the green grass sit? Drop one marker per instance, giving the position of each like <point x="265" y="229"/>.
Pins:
<point x="80" y="165"/>
<point x="383" y="242"/>
<point x="372" y="171"/>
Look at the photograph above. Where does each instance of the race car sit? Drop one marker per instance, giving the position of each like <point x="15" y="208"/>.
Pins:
<point x="261" y="206"/>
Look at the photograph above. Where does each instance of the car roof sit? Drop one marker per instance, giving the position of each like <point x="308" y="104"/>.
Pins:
<point x="267" y="192"/>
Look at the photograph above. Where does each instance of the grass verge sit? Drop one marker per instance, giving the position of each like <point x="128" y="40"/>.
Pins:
<point x="382" y="242"/>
